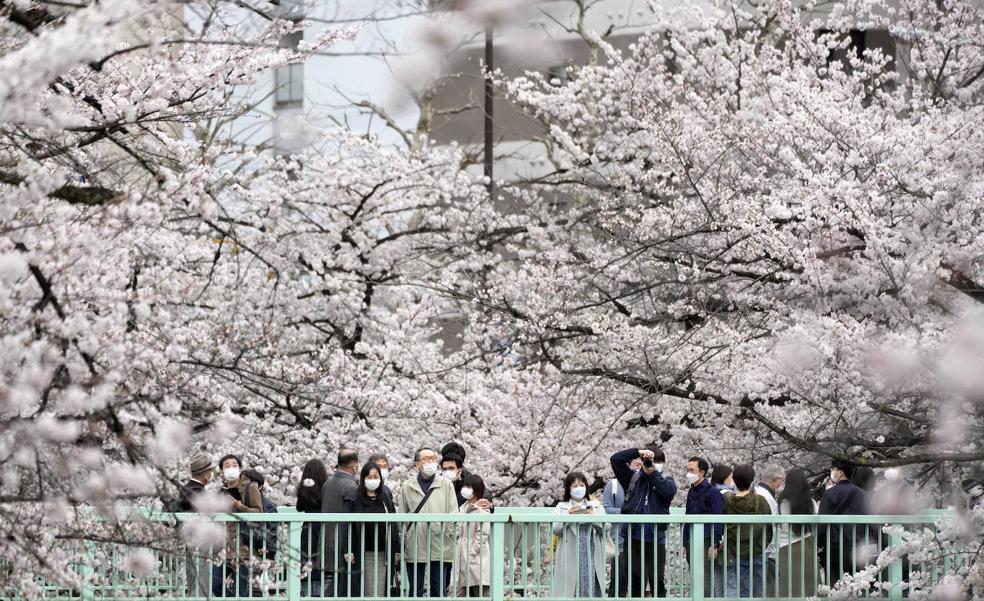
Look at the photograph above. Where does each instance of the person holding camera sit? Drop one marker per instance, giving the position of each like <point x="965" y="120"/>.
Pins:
<point x="648" y="491"/>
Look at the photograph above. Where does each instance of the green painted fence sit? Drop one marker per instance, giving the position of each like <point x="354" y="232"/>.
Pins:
<point x="514" y="552"/>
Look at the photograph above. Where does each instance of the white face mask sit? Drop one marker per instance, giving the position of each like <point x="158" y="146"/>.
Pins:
<point x="466" y="493"/>
<point x="833" y="475"/>
<point x="385" y="473"/>
<point x="976" y="491"/>
<point x="578" y="492"/>
<point x="231" y="474"/>
<point x="658" y="467"/>
<point x="691" y="478"/>
<point x="372" y="483"/>
<point x="428" y="469"/>
<point x="892" y="474"/>
<point x="451" y="474"/>
<point x="780" y="489"/>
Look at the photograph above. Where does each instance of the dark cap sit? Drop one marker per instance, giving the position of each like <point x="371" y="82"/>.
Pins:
<point x="200" y="463"/>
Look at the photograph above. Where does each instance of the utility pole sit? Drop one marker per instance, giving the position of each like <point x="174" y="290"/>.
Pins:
<point x="489" y="92"/>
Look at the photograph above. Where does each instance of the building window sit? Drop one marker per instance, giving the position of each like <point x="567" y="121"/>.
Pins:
<point x="289" y="79"/>
<point x="290" y="85"/>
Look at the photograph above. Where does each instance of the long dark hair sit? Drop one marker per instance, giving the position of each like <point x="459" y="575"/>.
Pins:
<point x="477" y="485"/>
<point x="798" y="492"/>
<point x="313" y="470"/>
<point x="366" y="470"/>
<point x="570" y="480"/>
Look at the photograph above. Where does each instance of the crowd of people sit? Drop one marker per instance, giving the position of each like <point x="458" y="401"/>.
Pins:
<point x="590" y="558"/>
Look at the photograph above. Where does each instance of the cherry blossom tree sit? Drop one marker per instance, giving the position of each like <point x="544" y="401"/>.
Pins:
<point x="753" y="243"/>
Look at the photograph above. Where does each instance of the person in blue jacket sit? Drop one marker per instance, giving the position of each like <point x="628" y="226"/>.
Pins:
<point x="648" y="491"/>
<point x="838" y="541"/>
<point x="703" y="499"/>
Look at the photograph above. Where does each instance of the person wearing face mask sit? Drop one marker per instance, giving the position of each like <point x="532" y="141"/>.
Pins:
<point x="797" y="547"/>
<point x="769" y="488"/>
<point x="370" y="549"/>
<point x="233" y="577"/>
<point x="428" y="548"/>
<point x="472" y="556"/>
<point x="974" y="488"/>
<point x="724" y="484"/>
<point x="382" y="462"/>
<point x="453" y="468"/>
<point x="703" y="499"/>
<point x="648" y="491"/>
<point x="579" y="569"/>
<point x="836" y="542"/>
<point x="339" y="580"/>
<point x="196" y="559"/>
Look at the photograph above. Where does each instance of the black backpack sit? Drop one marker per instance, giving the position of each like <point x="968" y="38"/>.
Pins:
<point x="261" y="538"/>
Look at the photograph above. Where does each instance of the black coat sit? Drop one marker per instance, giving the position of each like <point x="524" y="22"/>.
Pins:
<point x="844" y="498"/>
<point x="370" y="536"/>
<point x="186" y="494"/>
<point x="310" y="533"/>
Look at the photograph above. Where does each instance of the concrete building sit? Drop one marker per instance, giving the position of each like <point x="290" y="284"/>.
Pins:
<point x="380" y="81"/>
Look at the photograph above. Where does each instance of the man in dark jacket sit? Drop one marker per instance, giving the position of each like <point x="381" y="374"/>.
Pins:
<point x="453" y="468"/>
<point x="197" y="571"/>
<point x="838" y="541"/>
<point x="339" y="580"/>
<point x="201" y="469"/>
<point x="647" y="492"/>
<point x="703" y="499"/>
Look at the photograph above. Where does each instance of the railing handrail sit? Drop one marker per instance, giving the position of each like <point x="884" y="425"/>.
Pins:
<point x="504" y="515"/>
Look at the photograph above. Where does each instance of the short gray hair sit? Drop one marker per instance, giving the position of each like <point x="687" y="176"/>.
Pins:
<point x="773" y="471"/>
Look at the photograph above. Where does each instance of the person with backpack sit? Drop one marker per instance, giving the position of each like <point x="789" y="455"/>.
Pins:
<point x="648" y="491"/>
<point x="613" y="497"/>
<point x="264" y="543"/>
<point x="233" y="576"/>
<point x="309" y="490"/>
<point x="428" y="548"/>
<point x="744" y="544"/>
<point x="370" y="548"/>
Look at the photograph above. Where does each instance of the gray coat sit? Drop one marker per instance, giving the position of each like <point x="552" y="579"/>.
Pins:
<point x="566" y="564"/>
<point x="336" y="489"/>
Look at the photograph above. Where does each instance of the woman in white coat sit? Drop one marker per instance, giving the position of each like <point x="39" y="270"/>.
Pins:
<point x="579" y="568"/>
<point x="472" y="574"/>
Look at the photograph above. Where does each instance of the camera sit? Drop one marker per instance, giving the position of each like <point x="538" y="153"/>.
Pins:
<point x="647" y="462"/>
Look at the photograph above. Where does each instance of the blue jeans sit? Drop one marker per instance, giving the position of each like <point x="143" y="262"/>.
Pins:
<point x="717" y="567"/>
<point x="434" y="584"/>
<point x="746" y="574"/>
<point x="228" y="581"/>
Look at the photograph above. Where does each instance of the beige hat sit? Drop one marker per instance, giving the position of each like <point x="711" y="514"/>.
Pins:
<point x="200" y="464"/>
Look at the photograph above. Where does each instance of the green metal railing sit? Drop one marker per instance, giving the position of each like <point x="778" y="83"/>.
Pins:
<point x="514" y="552"/>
